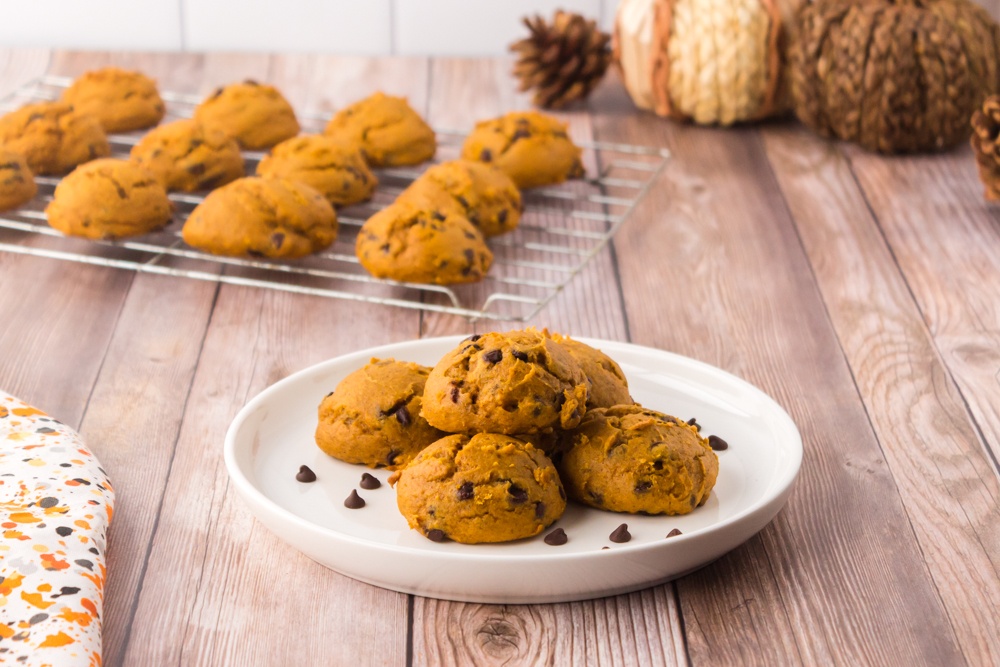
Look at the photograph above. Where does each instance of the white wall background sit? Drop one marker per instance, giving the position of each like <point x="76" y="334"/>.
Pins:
<point x="364" y="27"/>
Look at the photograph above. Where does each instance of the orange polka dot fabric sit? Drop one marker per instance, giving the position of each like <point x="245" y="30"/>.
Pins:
<point x="55" y="509"/>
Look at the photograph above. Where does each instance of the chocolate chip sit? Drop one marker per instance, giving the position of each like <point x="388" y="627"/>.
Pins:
<point x="502" y="216"/>
<point x="463" y="201"/>
<point x="674" y="533"/>
<point x="493" y="356"/>
<point x="486" y="155"/>
<point x="517" y="354"/>
<point x="465" y="492"/>
<point x="391" y="458"/>
<point x="454" y="394"/>
<point x="354" y="501"/>
<point x="620" y="534"/>
<point x="64" y="531"/>
<point x="520" y="133"/>
<point x="596" y="498"/>
<point x="196" y="169"/>
<point x="436" y="535"/>
<point x="539" y="510"/>
<point x="277" y="239"/>
<point x="305" y="474"/>
<point x="369" y="481"/>
<point x="48" y="501"/>
<point x="603" y="548"/>
<point x="694" y="422"/>
<point x="403" y="416"/>
<point x="517" y="494"/>
<point x="473" y="338"/>
<point x="717" y="443"/>
<point x="557" y="537"/>
<point x="437" y="215"/>
<point x="657" y="464"/>
<point x="643" y="486"/>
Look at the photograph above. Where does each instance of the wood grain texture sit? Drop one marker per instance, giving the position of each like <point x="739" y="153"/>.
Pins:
<point x="838" y="577"/>
<point x="231" y="591"/>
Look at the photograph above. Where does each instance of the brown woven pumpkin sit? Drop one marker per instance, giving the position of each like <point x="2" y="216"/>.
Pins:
<point x="711" y="61"/>
<point x="893" y="76"/>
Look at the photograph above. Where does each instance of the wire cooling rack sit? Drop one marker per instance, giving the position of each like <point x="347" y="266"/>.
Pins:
<point x="563" y="227"/>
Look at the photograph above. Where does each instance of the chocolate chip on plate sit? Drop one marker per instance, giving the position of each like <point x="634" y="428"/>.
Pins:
<point x="620" y="534"/>
<point x="717" y="444"/>
<point x="305" y="474"/>
<point x="436" y="535"/>
<point x="354" y="501"/>
<point x="369" y="481"/>
<point x="557" y="537"/>
<point x="674" y="533"/>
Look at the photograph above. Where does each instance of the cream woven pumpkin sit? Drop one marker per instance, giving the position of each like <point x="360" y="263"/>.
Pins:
<point x="710" y="61"/>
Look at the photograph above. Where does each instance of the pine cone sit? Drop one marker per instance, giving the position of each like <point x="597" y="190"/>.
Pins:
<point x="986" y="144"/>
<point x="563" y="61"/>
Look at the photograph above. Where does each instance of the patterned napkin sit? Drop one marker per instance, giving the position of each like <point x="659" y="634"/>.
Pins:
<point x="55" y="508"/>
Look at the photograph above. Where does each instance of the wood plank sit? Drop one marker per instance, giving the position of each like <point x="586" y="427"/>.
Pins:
<point x="917" y="320"/>
<point x="838" y="576"/>
<point x="226" y="587"/>
<point x="638" y="629"/>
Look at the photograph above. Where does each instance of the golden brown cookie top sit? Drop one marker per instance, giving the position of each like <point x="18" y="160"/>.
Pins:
<point x="532" y="148"/>
<point x="484" y="193"/>
<point x="513" y="382"/>
<point x="122" y="100"/>
<point x="17" y="185"/>
<point x="256" y="114"/>
<point x="334" y="167"/>
<point x="372" y="417"/>
<point x="480" y="488"/>
<point x="53" y="137"/>
<point x="406" y="243"/>
<point x="628" y="458"/>
<point x="387" y="129"/>
<point x="267" y="217"/>
<point x="608" y="386"/>
<point x="109" y="198"/>
<point x="186" y="155"/>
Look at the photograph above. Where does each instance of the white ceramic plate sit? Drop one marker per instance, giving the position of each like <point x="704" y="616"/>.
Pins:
<point x="273" y="435"/>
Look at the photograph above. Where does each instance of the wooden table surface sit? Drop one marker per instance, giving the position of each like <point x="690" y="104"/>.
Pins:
<point x="861" y="292"/>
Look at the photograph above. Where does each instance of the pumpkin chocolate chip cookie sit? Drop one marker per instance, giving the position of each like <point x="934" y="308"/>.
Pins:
<point x="262" y="217"/>
<point x="485" y="195"/>
<point x="407" y="243"/>
<point x="17" y="185"/>
<point x="483" y="488"/>
<point x="107" y="199"/>
<point x="387" y="129"/>
<point x="373" y="416"/>
<point x="335" y="168"/>
<point x="255" y="114"/>
<point x="530" y="147"/>
<point x="630" y="459"/>
<point x="53" y="137"/>
<point x="188" y="156"/>
<point x="608" y="386"/>
<point x="514" y="382"/>
<point x="121" y="100"/>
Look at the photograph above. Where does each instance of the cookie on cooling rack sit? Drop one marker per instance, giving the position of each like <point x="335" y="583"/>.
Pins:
<point x="608" y="386"/>
<point x="410" y="244"/>
<point x="17" y="185"/>
<point x="188" y="156"/>
<point x="513" y="382"/>
<point x="387" y="129"/>
<point x="373" y="416"/>
<point x="109" y="199"/>
<point x="630" y="459"/>
<point x="53" y="137"/>
<point x="532" y="148"/>
<point x="122" y="100"/>
<point x="481" y="488"/>
<point x="255" y="114"/>
<point x="335" y="168"/>
<point x="262" y="217"/>
<point x="485" y="195"/>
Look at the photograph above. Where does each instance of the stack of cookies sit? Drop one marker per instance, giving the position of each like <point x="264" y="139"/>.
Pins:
<point x="487" y="445"/>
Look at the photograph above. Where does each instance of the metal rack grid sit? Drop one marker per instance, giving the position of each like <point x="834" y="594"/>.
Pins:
<point x="562" y="228"/>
